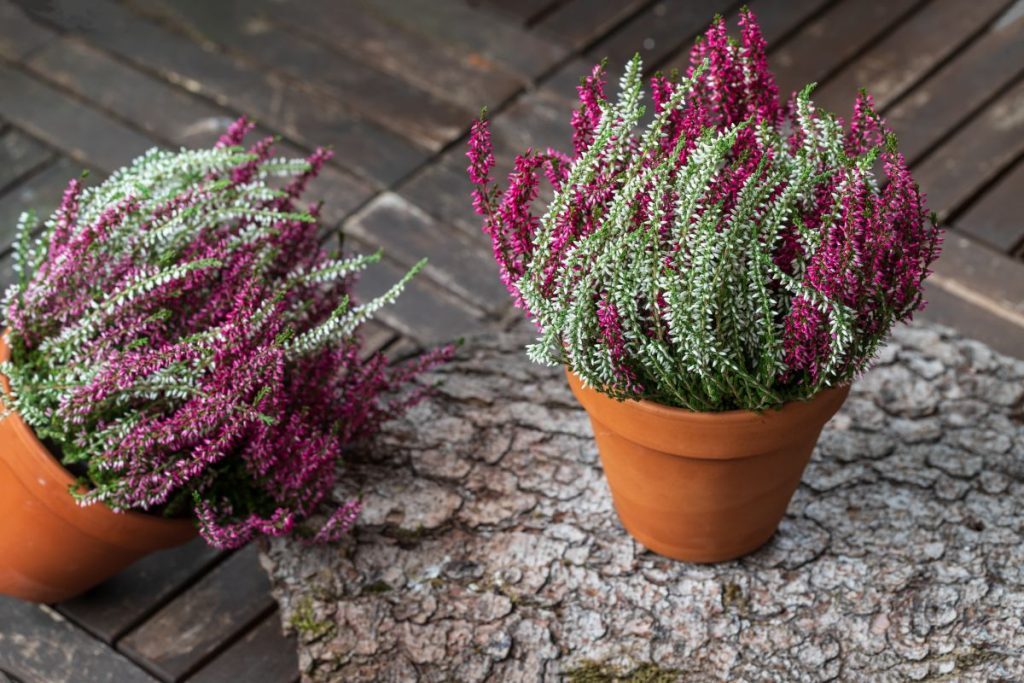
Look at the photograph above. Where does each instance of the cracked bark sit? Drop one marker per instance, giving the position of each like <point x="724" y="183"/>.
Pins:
<point x="489" y="549"/>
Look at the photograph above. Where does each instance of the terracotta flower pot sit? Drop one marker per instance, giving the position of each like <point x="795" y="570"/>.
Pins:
<point x="52" y="549"/>
<point x="703" y="487"/>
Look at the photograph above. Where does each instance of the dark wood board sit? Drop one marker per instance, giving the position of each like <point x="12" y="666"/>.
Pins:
<point x="20" y="155"/>
<point x="86" y="134"/>
<point x="40" y="192"/>
<point x="263" y="655"/>
<point x="966" y="162"/>
<point x="467" y="30"/>
<point x="242" y="26"/>
<point x="37" y="645"/>
<point x="891" y="66"/>
<point x="525" y="12"/>
<point x="996" y="217"/>
<point x="454" y="75"/>
<point x="407" y="233"/>
<point x="174" y="116"/>
<point x="926" y="115"/>
<point x="20" y="36"/>
<point x="578" y="23"/>
<point x="832" y="38"/>
<point x="424" y="312"/>
<point x="113" y="607"/>
<point x="370" y="150"/>
<point x="190" y="629"/>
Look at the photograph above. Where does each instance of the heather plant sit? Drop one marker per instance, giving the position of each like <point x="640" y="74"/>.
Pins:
<point x="728" y="252"/>
<point x="181" y="339"/>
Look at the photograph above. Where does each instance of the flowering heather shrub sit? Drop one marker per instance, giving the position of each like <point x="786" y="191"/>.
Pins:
<point x="733" y="254"/>
<point x="180" y="337"/>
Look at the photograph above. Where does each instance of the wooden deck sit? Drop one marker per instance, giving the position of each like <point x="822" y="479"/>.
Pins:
<point x="393" y="85"/>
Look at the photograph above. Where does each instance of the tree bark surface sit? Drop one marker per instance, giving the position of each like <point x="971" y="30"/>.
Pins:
<point x="489" y="549"/>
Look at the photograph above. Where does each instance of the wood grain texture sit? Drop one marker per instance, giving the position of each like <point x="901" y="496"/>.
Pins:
<point x="453" y="75"/>
<point x="578" y="23"/>
<point x="969" y="160"/>
<point x="113" y="607"/>
<point x="282" y="106"/>
<point x="195" y="625"/>
<point x="19" y="156"/>
<point x="832" y="38"/>
<point x="20" y="36"/>
<point x="466" y="30"/>
<point x="425" y="312"/>
<point x="996" y="217"/>
<point x="491" y="551"/>
<point x="174" y="116"/>
<point x="82" y="132"/>
<point x="949" y="97"/>
<point x="40" y="192"/>
<point x="244" y="28"/>
<point x="38" y="645"/>
<point x="263" y="655"/>
<point x="891" y="66"/>
<point x="407" y="233"/>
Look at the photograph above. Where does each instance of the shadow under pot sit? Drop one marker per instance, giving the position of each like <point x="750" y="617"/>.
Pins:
<point x="703" y="487"/>
<point x="51" y="548"/>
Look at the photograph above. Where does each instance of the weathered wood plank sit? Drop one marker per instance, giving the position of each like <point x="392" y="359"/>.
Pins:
<point x="174" y="116"/>
<point x="243" y="26"/>
<point x="453" y="23"/>
<point x="425" y="312"/>
<point x="375" y="337"/>
<point x="19" y="35"/>
<point x="114" y="607"/>
<point x="442" y="189"/>
<point x="578" y="23"/>
<point x="777" y="19"/>
<point x="782" y="19"/>
<point x="979" y="290"/>
<point x="948" y="97"/>
<point x="40" y="192"/>
<point x="891" y="66"/>
<point x="523" y="11"/>
<point x="192" y="627"/>
<point x="975" y="154"/>
<point x="457" y="76"/>
<point x="167" y="112"/>
<point x="19" y="156"/>
<point x="831" y="39"/>
<point x="263" y="655"/>
<point x="657" y="32"/>
<point x="287" y="108"/>
<point x="407" y="234"/>
<point x="84" y="133"/>
<point x="996" y="217"/>
<point x="37" y="644"/>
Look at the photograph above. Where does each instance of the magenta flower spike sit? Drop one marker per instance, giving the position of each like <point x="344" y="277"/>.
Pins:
<point x="185" y="344"/>
<point x="721" y="250"/>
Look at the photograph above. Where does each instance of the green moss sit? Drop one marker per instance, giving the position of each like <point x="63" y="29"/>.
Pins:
<point x="734" y="598"/>
<point x="380" y="586"/>
<point x="602" y="672"/>
<point x="304" y="621"/>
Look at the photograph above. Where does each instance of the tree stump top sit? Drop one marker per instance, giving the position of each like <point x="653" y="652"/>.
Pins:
<point x="489" y="549"/>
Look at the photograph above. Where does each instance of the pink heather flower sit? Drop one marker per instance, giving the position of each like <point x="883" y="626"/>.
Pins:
<point x="184" y="397"/>
<point x="844" y="262"/>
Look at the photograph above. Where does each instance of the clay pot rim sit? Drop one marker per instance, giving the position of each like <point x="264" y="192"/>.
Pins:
<point x="739" y="416"/>
<point x="139" y="522"/>
<point x="726" y="435"/>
